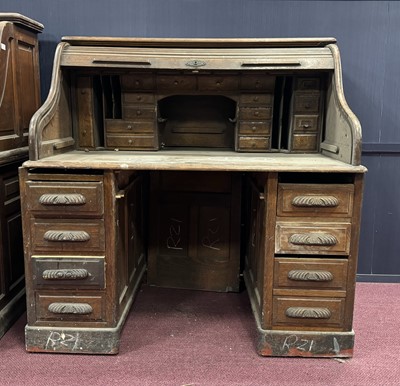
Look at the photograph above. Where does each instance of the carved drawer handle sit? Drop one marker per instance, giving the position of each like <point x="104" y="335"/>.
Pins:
<point x="308" y="275"/>
<point x="308" y="312"/>
<point x="65" y="274"/>
<point x="315" y="201"/>
<point x="70" y="308"/>
<point x="313" y="239"/>
<point x="73" y="236"/>
<point x="62" y="199"/>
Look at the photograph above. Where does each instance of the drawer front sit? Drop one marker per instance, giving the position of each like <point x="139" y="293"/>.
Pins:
<point x="308" y="312"/>
<point x="308" y="84"/>
<point x="176" y="82"/>
<point x="316" y="274"/>
<point x="305" y="102"/>
<point x="69" y="308"/>
<point x="138" y="112"/>
<point x="128" y="127"/>
<point x="255" y="128"/>
<point x="255" y="113"/>
<point x="65" y="198"/>
<point x="304" y="143"/>
<point x="256" y="99"/>
<point x="137" y="82"/>
<point x="253" y="143"/>
<point x="137" y="98"/>
<point x="305" y="123"/>
<point x="257" y="82"/>
<point x="312" y="238"/>
<point x="216" y="83"/>
<point x="130" y="142"/>
<point x="67" y="272"/>
<point x="79" y="236"/>
<point x="315" y="200"/>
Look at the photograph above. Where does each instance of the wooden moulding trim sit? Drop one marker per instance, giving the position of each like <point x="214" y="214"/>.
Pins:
<point x="71" y="236"/>
<point x="70" y="308"/>
<point x="309" y="275"/>
<point x="62" y="199"/>
<point x="22" y="20"/>
<point x="323" y="239"/>
<point x="65" y="274"/>
<point x="308" y="312"/>
<point x="315" y="201"/>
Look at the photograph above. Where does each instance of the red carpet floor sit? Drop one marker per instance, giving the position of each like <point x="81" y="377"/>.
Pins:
<point x="178" y="337"/>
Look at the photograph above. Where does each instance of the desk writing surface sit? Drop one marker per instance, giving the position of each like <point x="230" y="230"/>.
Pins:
<point x="196" y="161"/>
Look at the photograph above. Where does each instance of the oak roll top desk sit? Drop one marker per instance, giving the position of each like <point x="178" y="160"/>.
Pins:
<point x="191" y="163"/>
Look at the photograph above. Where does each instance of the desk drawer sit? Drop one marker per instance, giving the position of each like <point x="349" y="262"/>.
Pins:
<point x="312" y="238"/>
<point x="66" y="308"/>
<point x="129" y="127"/>
<point x="306" y="102"/>
<point x="216" y="83"/>
<point x="308" y="312"/>
<point x="315" y="200"/>
<point x="79" y="236"/>
<point x="255" y="113"/>
<point x="65" y="198"/>
<point x="303" y="273"/>
<point x="176" y="82"/>
<point x="305" y="123"/>
<point x="255" y="128"/>
<point x="68" y="272"/>
<point x="256" y="99"/>
<point x="129" y="142"/>
<point x="136" y="98"/>
<point x="257" y="82"/>
<point x="304" y="143"/>
<point x="138" y="112"/>
<point x="253" y="143"/>
<point x="138" y="81"/>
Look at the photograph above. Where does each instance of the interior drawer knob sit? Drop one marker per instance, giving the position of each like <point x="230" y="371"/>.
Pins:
<point x="315" y="201"/>
<point x="70" y="308"/>
<point x="308" y="312"/>
<point x="324" y="239"/>
<point x="62" y="199"/>
<point x="61" y="236"/>
<point x="65" y="274"/>
<point x="309" y="275"/>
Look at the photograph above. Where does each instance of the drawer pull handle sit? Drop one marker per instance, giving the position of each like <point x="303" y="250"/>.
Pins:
<point x="313" y="239"/>
<point x="308" y="312"/>
<point x="65" y="274"/>
<point x="70" y="308"/>
<point x="315" y="201"/>
<point x="307" y="275"/>
<point x="73" y="236"/>
<point x="62" y="199"/>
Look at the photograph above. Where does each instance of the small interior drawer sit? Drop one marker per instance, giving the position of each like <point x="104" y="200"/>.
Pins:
<point x="333" y="200"/>
<point x="215" y="83"/>
<point x="129" y="126"/>
<point x="257" y="82"/>
<point x="138" y="81"/>
<point x="312" y="238"/>
<point x="140" y="112"/>
<point x="305" y="123"/>
<point x="308" y="312"/>
<point x="67" y="308"/>
<point x="67" y="272"/>
<point x="176" y="82"/>
<point x="255" y="128"/>
<point x="256" y="99"/>
<point x="253" y="143"/>
<point x="65" y="198"/>
<point x="310" y="273"/>
<point x="306" y="102"/>
<point x="130" y="142"/>
<point x="137" y="98"/>
<point x="67" y="236"/>
<point x="255" y="113"/>
<point x="304" y="142"/>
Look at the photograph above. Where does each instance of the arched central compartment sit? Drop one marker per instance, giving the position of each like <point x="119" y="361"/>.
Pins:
<point x="204" y="121"/>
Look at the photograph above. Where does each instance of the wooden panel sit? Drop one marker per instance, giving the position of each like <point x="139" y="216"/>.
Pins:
<point x="65" y="198"/>
<point x="312" y="238"/>
<point x="310" y="273"/>
<point x="315" y="200"/>
<point x="64" y="236"/>
<point x="308" y="313"/>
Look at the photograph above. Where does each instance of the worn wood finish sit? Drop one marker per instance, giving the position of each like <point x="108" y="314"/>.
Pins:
<point x="201" y="159"/>
<point x="19" y="99"/>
